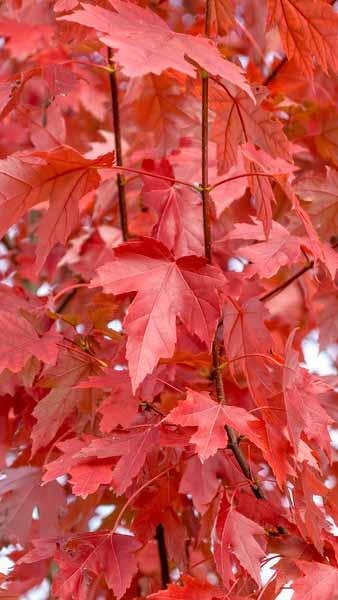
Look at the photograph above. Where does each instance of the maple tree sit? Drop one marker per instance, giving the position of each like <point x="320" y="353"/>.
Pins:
<point x="169" y="232"/>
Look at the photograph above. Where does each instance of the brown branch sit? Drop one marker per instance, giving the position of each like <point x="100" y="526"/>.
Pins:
<point x="310" y="264"/>
<point x="252" y="174"/>
<point x="233" y="444"/>
<point x="205" y="176"/>
<point x="205" y="143"/>
<point x="120" y="180"/>
<point x="162" y="550"/>
<point x="66" y="300"/>
<point x="163" y="555"/>
<point x="286" y="283"/>
<point x="275" y="71"/>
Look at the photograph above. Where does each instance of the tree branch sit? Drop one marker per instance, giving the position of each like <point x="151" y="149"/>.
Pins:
<point x="233" y="444"/>
<point x="162" y="551"/>
<point x="205" y="194"/>
<point x="118" y="150"/>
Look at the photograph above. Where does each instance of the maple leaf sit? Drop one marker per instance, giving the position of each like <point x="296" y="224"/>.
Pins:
<point x="132" y="448"/>
<point x="318" y="581"/>
<point x="61" y="401"/>
<point x="140" y="35"/>
<point x="210" y="418"/>
<point x="321" y="197"/>
<point x="236" y="534"/>
<point x="70" y="449"/>
<point x="234" y="189"/>
<point x="199" y="410"/>
<point x="120" y="395"/>
<point x="86" y="474"/>
<point x="245" y="336"/>
<point x="159" y="106"/>
<point x="262" y="192"/>
<point x="6" y="90"/>
<point x="238" y="120"/>
<point x="223" y="13"/>
<point x="61" y="176"/>
<point x="186" y="288"/>
<point x="65" y="5"/>
<point x="19" y="341"/>
<point x="310" y="518"/>
<point x="98" y="553"/>
<point x="267" y="256"/>
<point x="327" y="318"/>
<point x="308" y="28"/>
<point x="192" y="589"/>
<point x="322" y="252"/>
<point x="21" y="492"/>
<point x="303" y="409"/>
<point x="201" y="481"/>
<point x="179" y="211"/>
<point x="23" y="39"/>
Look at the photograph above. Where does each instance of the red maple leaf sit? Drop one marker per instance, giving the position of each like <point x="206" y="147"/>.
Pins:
<point x="61" y="176"/>
<point x="238" y="536"/>
<point x="186" y="288"/>
<point x="140" y="35"/>
<point x="308" y="29"/>
<point x="318" y="578"/>
<point x="95" y="553"/>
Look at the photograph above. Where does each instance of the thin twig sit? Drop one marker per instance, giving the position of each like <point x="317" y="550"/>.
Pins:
<point x="252" y="174"/>
<point x="156" y="176"/>
<point x="118" y="150"/>
<point x="275" y="71"/>
<point x="286" y="283"/>
<point x="66" y="300"/>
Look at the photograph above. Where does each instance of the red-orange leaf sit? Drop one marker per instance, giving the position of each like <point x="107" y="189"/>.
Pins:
<point x="62" y="177"/>
<point x="309" y="29"/>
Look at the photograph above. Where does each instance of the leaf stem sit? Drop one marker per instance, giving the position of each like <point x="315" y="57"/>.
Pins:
<point x="252" y="174"/>
<point x="157" y="176"/>
<point x="118" y="149"/>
